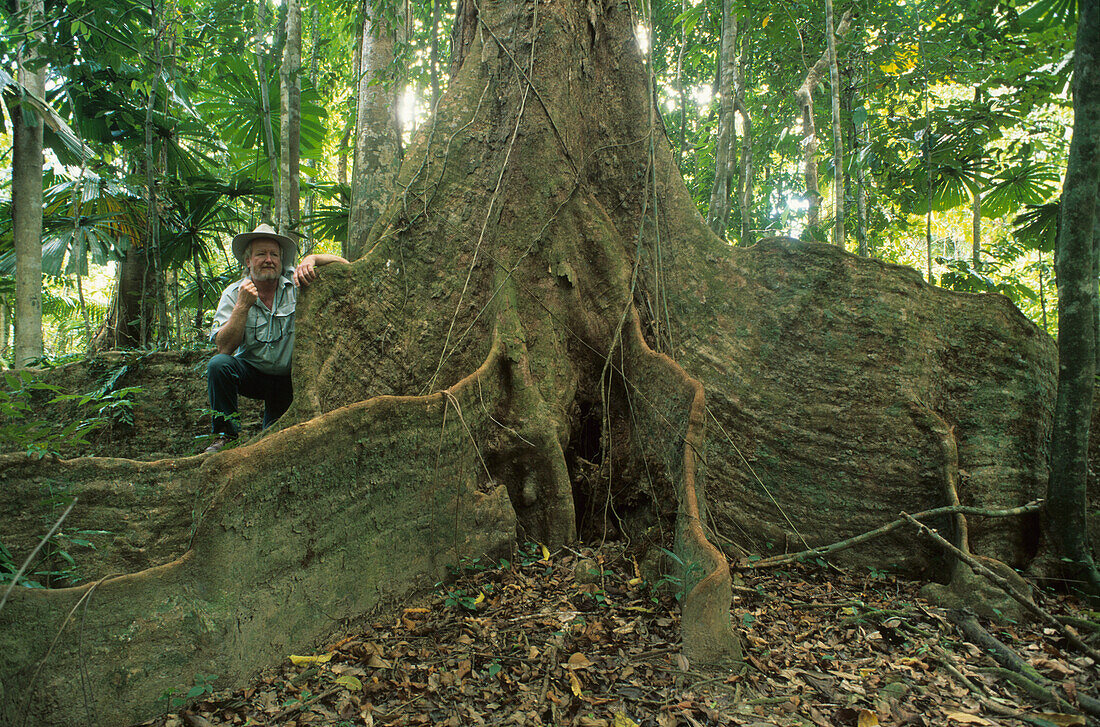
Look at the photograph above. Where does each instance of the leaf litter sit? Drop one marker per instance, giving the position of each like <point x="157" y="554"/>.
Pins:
<point x="578" y="638"/>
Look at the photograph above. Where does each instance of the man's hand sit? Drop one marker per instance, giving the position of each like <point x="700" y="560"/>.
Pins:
<point x="247" y="294"/>
<point x="306" y="272"/>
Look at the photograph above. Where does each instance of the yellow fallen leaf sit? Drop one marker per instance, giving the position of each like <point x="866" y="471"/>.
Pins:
<point x="634" y="581"/>
<point x="480" y="597"/>
<point x="350" y="682"/>
<point x="299" y="660"/>
<point x="867" y="718"/>
<point x="545" y="552"/>
<point x="965" y="718"/>
<point x="1065" y="720"/>
<point x="575" y="684"/>
<point x="621" y="720"/>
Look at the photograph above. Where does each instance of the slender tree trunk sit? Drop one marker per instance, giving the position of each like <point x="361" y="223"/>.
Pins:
<point x="1042" y="293"/>
<point x="745" y="168"/>
<point x="976" y="204"/>
<point x="265" y="105"/>
<point x="437" y="19"/>
<point x="155" y="297"/>
<point x="804" y="94"/>
<point x="291" y="103"/>
<point x="311" y="164"/>
<point x="5" y="324"/>
<point x="26" y="202"/>
<point x="681" y="93"/>
<point x="719" y="208"/>
<point x="377" y="134"/>
<point x="860" y="141"/>
<point x="199" y="306"/>
<point x="1076" y="277"/>
<point x="838" y="134"/>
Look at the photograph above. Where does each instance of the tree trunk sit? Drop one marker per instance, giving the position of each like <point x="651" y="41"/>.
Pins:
<point x="290" y="84"/>
<point x="132" y="310"/>
<point x="1076" y="277"/>
<point x="681" y="92"/>
<point x="265" y="107"/>
<point x="804" y="95"/>
<point x="745" y="168"/>
<point x="26" y="202"/>
<point x="156" y="296"/>
<point x="311" y="164"/>
<point x="861" y="140"/>
<point x="726" y="143"/>
<point x="838" y="134"/>
<point x="377" y="135"/>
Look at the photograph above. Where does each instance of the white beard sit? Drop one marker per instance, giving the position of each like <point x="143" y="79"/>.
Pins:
<point x="265" y="275"/>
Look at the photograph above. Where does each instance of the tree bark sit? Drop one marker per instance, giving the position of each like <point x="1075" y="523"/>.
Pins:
<point x="681" y="92"/>
<point x="1076" y="277"/>
<point x="725" y="145"/>
<point x="976" y="203"/>
<point x="265" y="109"/>
<point x="377" y="134"/>
<point x="860" y="141"/>
<point x="804" y="95"/>
<point x="838" y="133"/>
<point x="290" y="85"/>
<point x="26" y="202"/>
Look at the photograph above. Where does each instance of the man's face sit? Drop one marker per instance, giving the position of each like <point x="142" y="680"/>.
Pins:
<point x="265" y="260"/>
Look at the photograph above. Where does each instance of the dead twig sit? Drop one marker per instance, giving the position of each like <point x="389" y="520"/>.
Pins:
<point x="778" y="560"/>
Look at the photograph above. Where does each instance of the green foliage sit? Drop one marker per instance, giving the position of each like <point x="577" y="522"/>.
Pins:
<point x="177" y="699"/>
<point x="683" y="577"/>
<point x="21" y="430"/>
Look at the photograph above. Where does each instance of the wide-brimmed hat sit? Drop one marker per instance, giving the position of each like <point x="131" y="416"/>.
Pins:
<point x="289" y="246"/>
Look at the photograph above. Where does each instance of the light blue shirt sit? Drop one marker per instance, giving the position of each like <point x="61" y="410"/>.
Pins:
<point x="268" y="341"/>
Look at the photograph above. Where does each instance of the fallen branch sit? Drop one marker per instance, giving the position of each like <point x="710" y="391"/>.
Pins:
<point x="1002" y="583"/>
<point x="991" y="645"/>
<point x="1037" y="691"/>
<point x="778" y="560"/>
<point x="979" y="692"/>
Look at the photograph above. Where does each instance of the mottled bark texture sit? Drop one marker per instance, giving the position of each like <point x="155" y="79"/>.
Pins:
<point x="26" y="202"/>
<point x="804" y="96"/>
<point x="290" y="96"/>
<point x="725" y="146"/>
<point x="377" y="133"/>
<point x="483" y="373"/>
<point x="838" y="134"/>
<point x="1076" y="276"/>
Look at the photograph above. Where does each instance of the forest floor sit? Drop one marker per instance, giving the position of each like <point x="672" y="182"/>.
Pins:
<point x="576" y="637"/>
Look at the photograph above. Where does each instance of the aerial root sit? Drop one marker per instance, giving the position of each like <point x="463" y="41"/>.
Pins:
<point x="708" y="636"/>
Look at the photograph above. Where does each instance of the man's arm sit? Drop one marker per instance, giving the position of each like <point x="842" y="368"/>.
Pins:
<point x="306" y="272"/>
<point x="230" y="335"/>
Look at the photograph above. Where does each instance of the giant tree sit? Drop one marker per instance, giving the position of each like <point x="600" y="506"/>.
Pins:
<point x="544" y="340"/>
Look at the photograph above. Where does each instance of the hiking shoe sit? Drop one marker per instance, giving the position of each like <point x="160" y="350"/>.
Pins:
<point x="218" y="444"/>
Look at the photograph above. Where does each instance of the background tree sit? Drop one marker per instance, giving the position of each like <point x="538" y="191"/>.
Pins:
<point x="26" y="206"/>
<point x="1075" y="266"/>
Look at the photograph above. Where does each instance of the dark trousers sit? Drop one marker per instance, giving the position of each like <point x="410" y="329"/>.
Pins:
<point x="228" y="376"/>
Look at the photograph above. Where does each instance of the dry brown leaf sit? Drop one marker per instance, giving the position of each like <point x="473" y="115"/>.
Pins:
<point x="578" y="661"/>
<point x="966" y="718"/>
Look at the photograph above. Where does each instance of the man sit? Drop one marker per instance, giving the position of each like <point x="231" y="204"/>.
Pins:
<point x="254" y="329"/>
